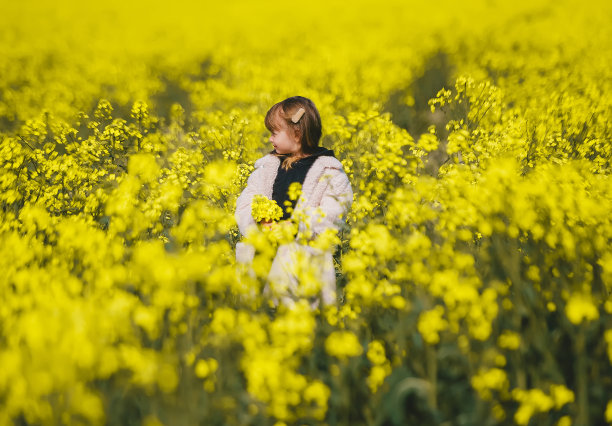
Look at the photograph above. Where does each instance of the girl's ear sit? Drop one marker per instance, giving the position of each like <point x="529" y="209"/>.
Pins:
<point x="297" y="134"/>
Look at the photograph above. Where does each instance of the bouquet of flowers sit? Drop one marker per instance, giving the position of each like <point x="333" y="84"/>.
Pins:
<point x="264" y="209"/>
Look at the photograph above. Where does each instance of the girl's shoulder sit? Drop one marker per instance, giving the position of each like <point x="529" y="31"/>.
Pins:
<point x="328" y="169"/>
<point x="328" y="162"/>
<point x="267" y="160"/>
<point x="321" y="163"/>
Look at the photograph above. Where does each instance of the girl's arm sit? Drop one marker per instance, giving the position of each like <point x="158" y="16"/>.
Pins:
<point x="243" y="215"/>
<point x="336" y="202"/>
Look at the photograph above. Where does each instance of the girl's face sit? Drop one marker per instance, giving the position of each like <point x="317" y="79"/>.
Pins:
<point x="284" y="139"/>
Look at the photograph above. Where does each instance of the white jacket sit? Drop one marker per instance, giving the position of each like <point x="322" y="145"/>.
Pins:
<point x="327" y="187"/>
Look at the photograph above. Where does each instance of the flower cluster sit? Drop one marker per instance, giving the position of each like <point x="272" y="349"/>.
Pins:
<point x="474" y="271"/>
<point x="265" y="209"/>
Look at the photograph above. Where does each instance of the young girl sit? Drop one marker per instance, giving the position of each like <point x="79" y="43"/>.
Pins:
<point x="295" y="127"/>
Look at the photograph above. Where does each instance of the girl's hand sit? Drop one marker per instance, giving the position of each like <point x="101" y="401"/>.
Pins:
<point x="266" y="223"/>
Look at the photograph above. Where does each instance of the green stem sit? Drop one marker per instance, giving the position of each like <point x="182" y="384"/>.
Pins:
<point x="582" y="419"/>
<point x="432" y="373"/>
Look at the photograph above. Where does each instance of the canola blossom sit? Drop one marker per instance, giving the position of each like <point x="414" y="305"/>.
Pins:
<point x="264" y="209"/>
<point x="473" y="271"/>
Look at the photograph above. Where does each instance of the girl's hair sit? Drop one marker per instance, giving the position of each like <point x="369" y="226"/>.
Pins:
<point x="308" y="127"/>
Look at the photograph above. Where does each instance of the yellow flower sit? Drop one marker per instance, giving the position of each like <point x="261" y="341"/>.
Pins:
<point x="580" y="307"/>
<point x="509" y="340"/>
<point x="376" y="352"/>
<point x="295" y="190"/>
<point x="377" y="375"/>
<point x="561" y="395"/>
<point x="144" y="166"/>
<point x="224" y="321"/>
<point x="565" y="421"/>
<point x="431" y="323"/>
<point x="609" y="412"/>
<point x="487" y="380"/>
<point x="343" y="344"/>
<point x="265" y="209"/>
<point x="318" y="393"/>
<point x="531" y="402"/>
<point x="205" y="367"/>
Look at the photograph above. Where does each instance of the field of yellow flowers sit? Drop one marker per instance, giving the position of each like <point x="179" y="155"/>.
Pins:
<point x="475" y="268"/>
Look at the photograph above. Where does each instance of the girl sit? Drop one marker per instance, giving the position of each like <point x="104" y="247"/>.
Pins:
<point x="295" y="127"/>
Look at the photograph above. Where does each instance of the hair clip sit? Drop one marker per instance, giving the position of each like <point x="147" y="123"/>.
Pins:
<point x="296" y="117"/>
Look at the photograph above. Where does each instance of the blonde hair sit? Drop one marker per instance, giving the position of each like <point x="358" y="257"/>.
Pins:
<point x="307" y="124"/>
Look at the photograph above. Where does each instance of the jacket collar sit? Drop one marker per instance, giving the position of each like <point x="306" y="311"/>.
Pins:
<point x="270" y="160"/>
<point x="270" y="164"/>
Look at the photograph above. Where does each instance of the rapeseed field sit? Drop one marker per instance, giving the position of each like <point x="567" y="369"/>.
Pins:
<point x="474" y="270"/>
